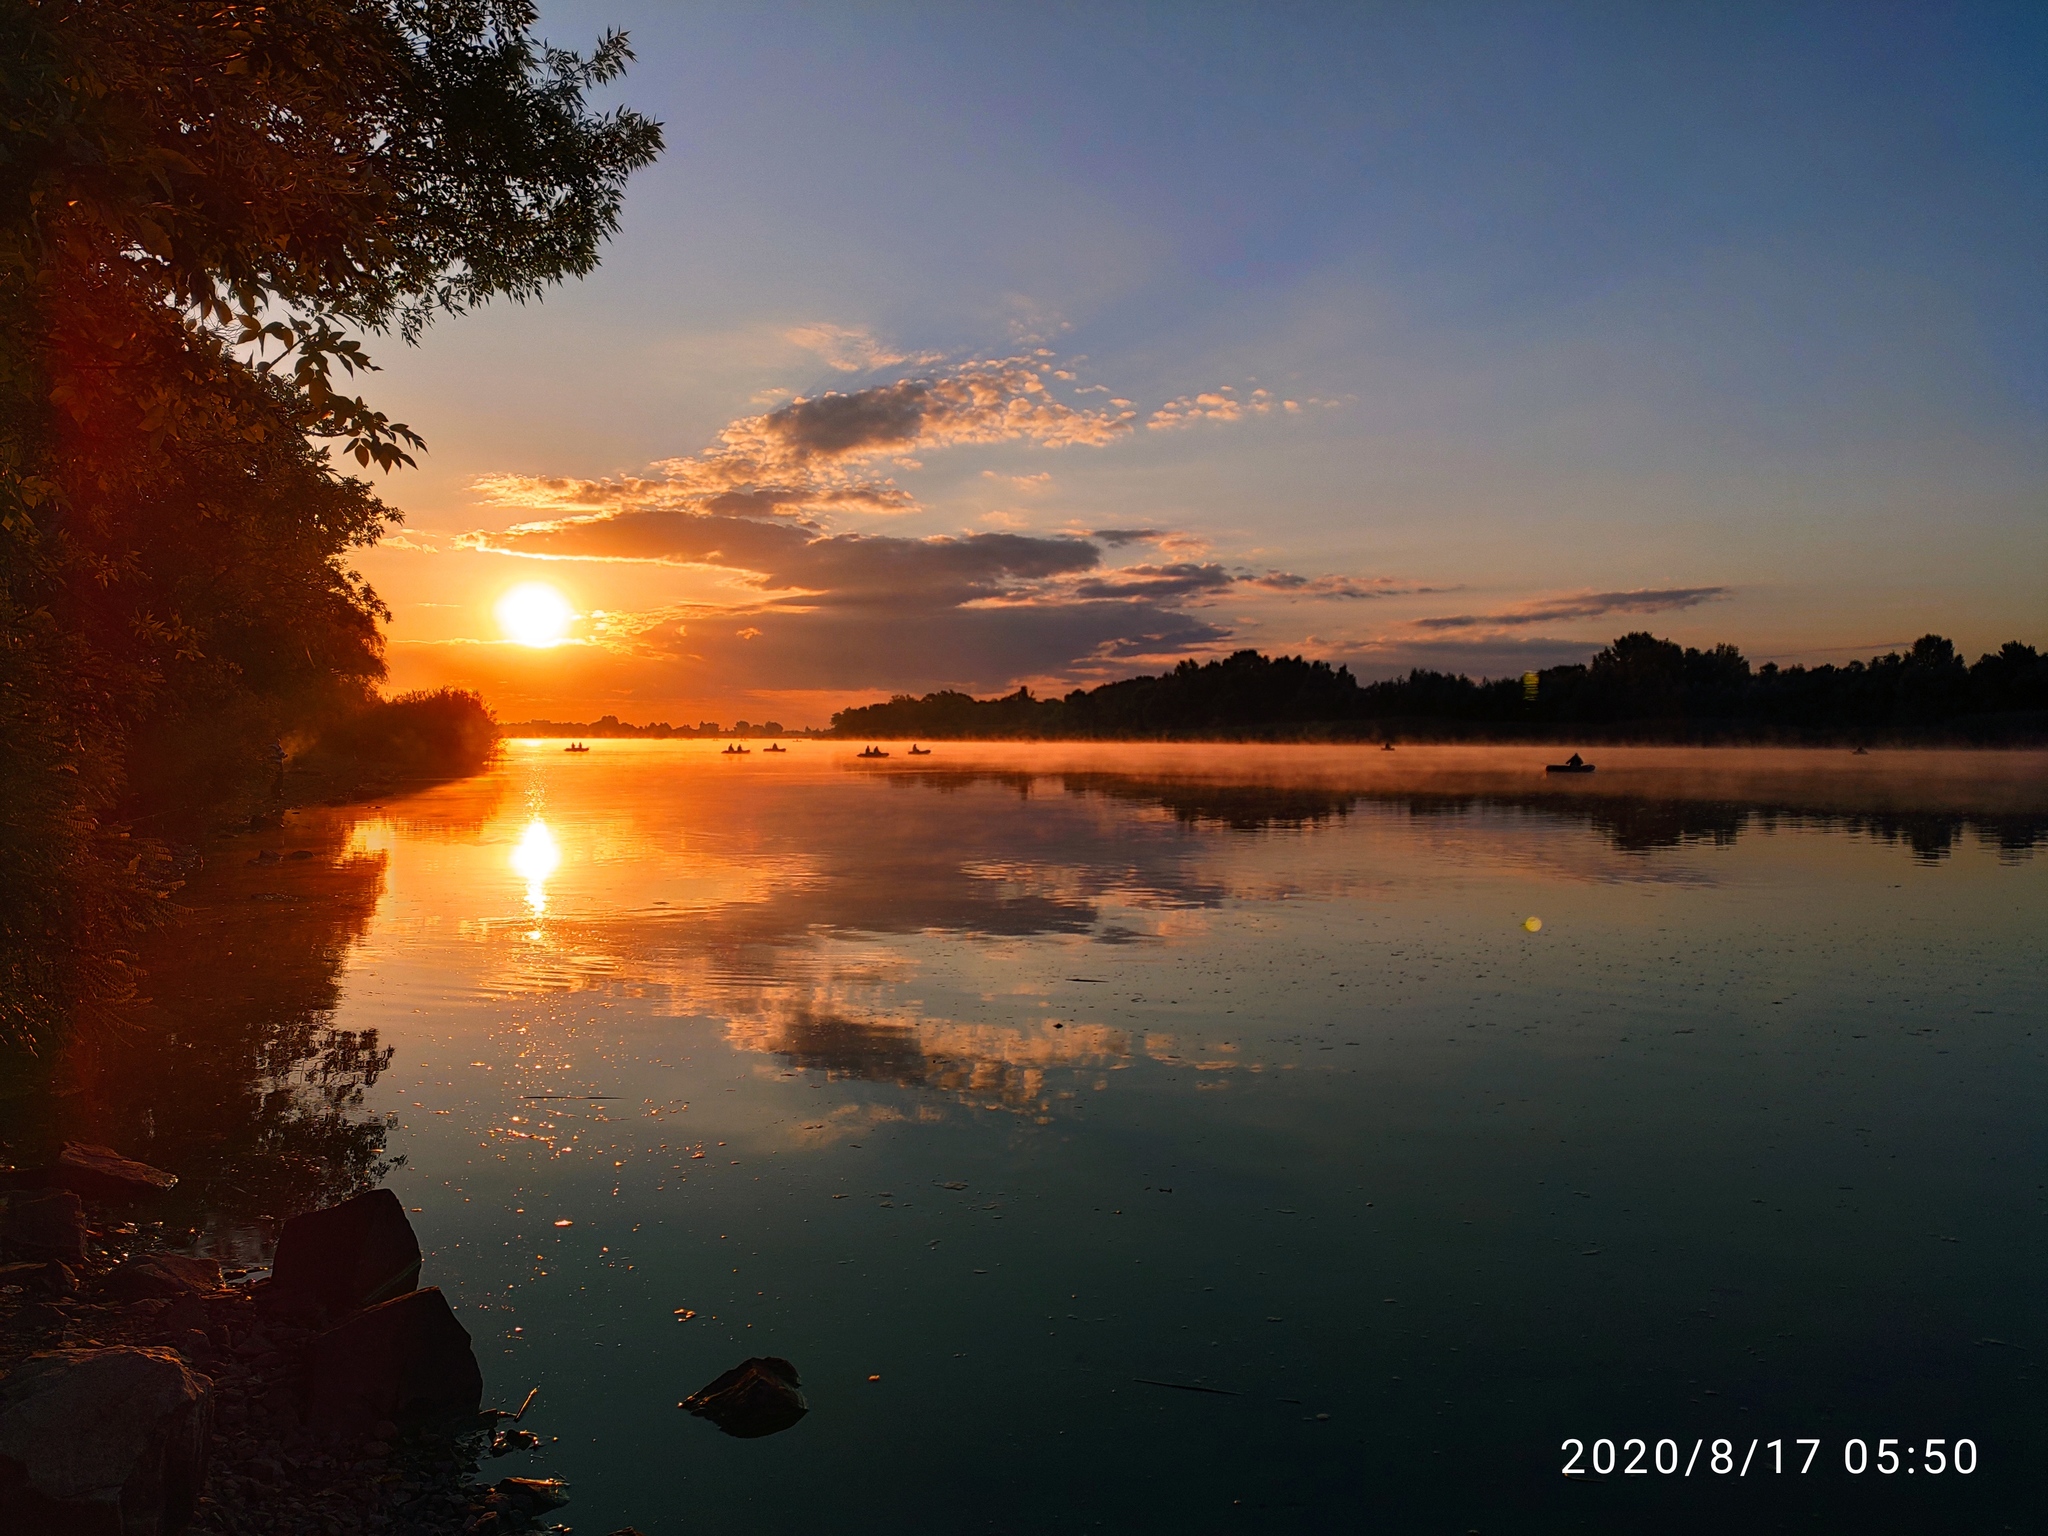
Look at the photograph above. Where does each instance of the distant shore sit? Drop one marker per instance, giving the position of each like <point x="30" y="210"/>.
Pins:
<point x="1639" y="690"/>
<point x="2007" y="731"/>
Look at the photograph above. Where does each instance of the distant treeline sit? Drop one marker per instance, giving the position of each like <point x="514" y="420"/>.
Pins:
<point x="1638" y="688"/>
<point x="660" y="730"/>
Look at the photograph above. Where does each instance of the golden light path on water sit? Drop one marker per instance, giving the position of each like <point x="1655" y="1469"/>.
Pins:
<point x="534" y="858"/>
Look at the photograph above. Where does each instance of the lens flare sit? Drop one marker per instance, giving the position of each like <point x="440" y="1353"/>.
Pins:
<point x="534" y="614"/>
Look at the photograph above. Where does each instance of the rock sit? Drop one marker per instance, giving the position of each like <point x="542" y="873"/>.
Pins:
<point x="406" y="1360"/>
<point x="101" y="1173"/>
<point x="755" y="1398"/>
<point x="191" y="1343"/>
<point x="185" y="1314"/>
<point x="39" y="1277"/>
<point x="103" y="1442"/>
<point x="533" y="1495"/>
<point x="505" y="1441"/>
<point x="45" y="1226"/>
<point x="355" y="1254"/>
<point x="167" y="1275"/>
<point x="58" y="1281"/>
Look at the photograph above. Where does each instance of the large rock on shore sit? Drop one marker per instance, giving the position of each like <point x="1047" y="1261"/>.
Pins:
<point x="407" y="1360"/>
<point x="102" y="1442"/>
<point x="355" y="1254"/>
<point x="46" y="1225"/>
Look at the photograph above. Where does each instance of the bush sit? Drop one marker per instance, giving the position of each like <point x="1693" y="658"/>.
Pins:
<point x="445" y="733"/>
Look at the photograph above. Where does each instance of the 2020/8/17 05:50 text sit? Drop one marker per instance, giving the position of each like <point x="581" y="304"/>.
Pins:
<point x="1637" y="1457"/>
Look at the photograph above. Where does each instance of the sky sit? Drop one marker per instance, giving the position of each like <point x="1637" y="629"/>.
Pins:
<point x="970" y="345"/>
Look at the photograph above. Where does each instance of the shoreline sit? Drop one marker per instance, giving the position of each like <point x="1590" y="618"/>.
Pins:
<point x="266" y="1474"/>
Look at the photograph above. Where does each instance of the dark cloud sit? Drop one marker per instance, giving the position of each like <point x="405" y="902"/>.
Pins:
<point x="836" y="425"/>
<point x="919" y="649"/>
<point x="989" y="402"/>
<point x="1116" y="538"/>
<point x="1585" y="605"/>
<point x="793" y="564"/>
<point x="1333" y="586"/>
<point x="1158" y="583"/>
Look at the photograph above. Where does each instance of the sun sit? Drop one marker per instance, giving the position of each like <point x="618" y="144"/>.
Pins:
<point x="535" y="614"/>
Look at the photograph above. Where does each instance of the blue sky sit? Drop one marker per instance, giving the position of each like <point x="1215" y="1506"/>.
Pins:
<point x="1583" y="310"/>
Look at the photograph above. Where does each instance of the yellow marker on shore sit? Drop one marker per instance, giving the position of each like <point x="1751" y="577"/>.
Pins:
<point x="1533" y="924"/>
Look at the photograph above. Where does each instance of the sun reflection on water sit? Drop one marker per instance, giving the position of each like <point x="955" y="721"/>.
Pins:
<point x="535" y="858"/>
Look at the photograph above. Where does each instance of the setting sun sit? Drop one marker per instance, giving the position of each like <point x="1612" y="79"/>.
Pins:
<point x="534" y="614"/>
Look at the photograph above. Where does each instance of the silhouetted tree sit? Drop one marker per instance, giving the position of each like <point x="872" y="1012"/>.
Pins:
<point x="201" y="205"/>
<point x="1640" y="684"/>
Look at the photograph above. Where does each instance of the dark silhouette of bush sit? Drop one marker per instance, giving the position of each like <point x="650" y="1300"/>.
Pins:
<point x="440" y="734"/>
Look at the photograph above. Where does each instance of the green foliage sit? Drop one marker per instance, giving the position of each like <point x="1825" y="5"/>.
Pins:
<point x="200" y="205"/>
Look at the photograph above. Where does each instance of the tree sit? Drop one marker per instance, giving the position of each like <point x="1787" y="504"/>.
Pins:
<point x="203" y="209"/>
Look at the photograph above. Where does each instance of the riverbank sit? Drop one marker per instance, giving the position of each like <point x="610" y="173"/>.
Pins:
<point x="95" y="1289"/>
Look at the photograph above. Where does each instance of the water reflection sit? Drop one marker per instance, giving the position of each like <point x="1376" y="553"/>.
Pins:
<point x="1682" y="813"/>
<point x="1027" y="1070"/>
<point x="803" y="912"/>
<point x="995" y="1092"/>
<point x="232" y="1072"/>
<point x="533" y="860"/>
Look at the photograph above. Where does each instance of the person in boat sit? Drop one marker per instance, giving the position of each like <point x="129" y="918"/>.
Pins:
<point x="1575" y="761"/>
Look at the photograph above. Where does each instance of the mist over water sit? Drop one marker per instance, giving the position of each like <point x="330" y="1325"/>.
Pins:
<point x="1017" y="1091"/>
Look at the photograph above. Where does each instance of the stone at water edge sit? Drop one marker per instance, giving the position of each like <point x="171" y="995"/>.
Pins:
<point x="168" y="1275"/>
<point x="534" y="1495"/>
<point x="406" y="1360"/>
<point x="103" y="1442"/>
<point x="101" y="1173"/>
<point x="47" y="1225"/>
<point x="757" y="1397"/>
<point x="355" y="1254"/>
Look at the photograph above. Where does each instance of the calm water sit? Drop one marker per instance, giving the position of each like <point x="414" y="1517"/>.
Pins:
<point x="1014" y="1092"/>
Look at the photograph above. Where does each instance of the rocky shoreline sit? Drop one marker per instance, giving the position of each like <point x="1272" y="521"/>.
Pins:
<point x="144" y="1391"/>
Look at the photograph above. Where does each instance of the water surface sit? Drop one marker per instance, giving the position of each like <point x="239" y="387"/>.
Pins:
<point x="1185" y="1138"/>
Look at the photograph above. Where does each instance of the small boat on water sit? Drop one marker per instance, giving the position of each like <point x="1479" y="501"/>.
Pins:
<point x="1861" y="752"/>
<point x="576" y="746"/>
<point x="871" y="752"/>
<point x="917" y="751"/>
<point x="1572" y="764"/>
<point x="1386" y="746"/>
<point x="735" y="750"/>
<point x="775" y="746"/>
